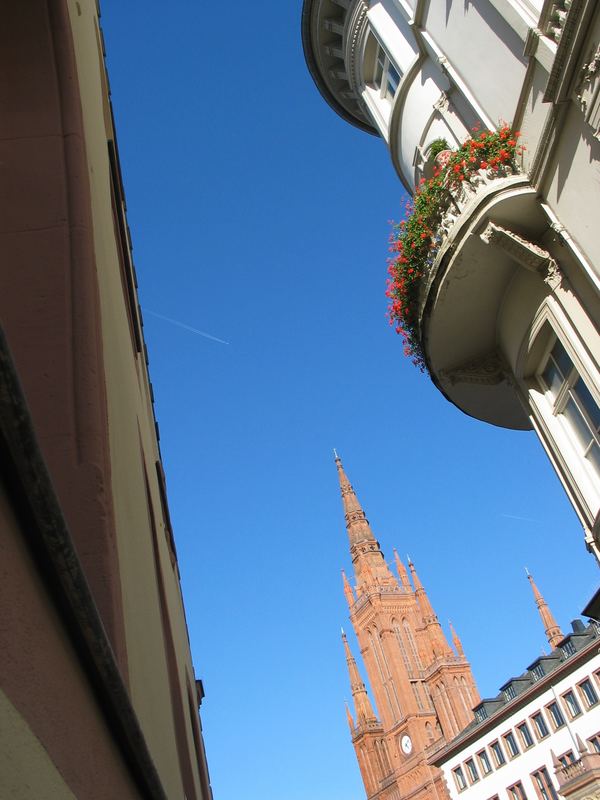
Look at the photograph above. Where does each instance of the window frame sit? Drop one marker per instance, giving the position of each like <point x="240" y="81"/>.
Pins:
<point x="566" y="392"/>
<point x="541" y="792"/>
<point x="519" y="791"/>
<point x="510" y="735"/>
<point x="534" y="717"/>
<point x="583" y="695"/>
<point x="594" y="742"/>
<point x="499" y="762"/>
<point x="570" y="713"/>
<point x="553" y="704"/>
<point x="461" y="784"/>
<point x="483" y="762"/>
<point x="581" y="485"/>
<point x="471" y="761"/>
<point x="524" y="744"/>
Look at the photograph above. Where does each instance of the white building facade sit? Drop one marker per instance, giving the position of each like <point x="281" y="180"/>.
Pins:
<point x="508" y="313"/>
<point x="538" y="735"/>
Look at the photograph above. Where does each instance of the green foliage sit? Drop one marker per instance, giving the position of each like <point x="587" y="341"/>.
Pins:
<point x="415" y="241"/>
<point x="436" y="147"/>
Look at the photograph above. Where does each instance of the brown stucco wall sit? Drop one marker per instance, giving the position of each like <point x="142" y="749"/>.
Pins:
<point x="70" y="316"/>
<point x="45" y="686"/>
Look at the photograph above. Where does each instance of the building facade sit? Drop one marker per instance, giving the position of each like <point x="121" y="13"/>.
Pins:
<point x="98" y="695"/>
<point x="540" y="737"/>
<point x="423" y="688"/>
<point x="507" y="312"/>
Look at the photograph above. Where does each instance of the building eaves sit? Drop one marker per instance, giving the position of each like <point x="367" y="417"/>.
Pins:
<point x="308" y="46"/>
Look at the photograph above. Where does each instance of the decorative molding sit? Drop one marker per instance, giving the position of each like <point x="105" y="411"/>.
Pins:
<point x="587" y="91"/>
<point x="556" y="18"/>
<point x="487" y="370"/>
<point x="356" y="26"/>
<point x="526" y="253"/>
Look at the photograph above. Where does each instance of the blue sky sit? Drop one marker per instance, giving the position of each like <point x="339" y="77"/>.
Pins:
<point x="260" y="217"/>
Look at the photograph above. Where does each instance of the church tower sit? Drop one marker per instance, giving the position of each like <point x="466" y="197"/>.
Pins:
<point x="423" y="689"/>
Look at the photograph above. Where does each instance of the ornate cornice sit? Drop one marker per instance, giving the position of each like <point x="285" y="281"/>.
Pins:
<point x="487" y="370"/>
<point x="314" y="53"/>
<point x="529" y="255"/>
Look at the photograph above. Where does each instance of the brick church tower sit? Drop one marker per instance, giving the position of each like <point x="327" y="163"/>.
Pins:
<point x="423" y="689"/>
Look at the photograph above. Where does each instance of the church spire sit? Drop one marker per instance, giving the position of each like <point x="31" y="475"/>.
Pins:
<point x="402" y="573"/>
<point x="356" y="521"/>
<point x="553" y="632"/>
<point x="370" y="567"/>
<point x="362" y="704"/>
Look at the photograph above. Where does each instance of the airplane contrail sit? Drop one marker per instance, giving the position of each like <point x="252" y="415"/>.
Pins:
<point x="185" y="327"/>
<point x="524" y="519"/>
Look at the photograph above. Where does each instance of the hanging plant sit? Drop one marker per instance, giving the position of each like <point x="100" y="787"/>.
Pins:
<point x="414" y="240"/>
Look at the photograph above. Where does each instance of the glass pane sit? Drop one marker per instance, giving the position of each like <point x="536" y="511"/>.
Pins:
<point x="552" y="377"/>
<point x="577" y="422"/>
<point x="379" y="68"/>
<point x="559" y="354"/>
<point x="588" y="403"/>
<point x="392" y="81"/>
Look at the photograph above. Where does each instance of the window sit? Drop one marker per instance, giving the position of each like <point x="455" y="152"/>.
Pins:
<point x="572" y="704"/>
<point x="516" y="792"/>
<point x="567" y="758"/>
<point x="481" y="713"/>
<point x="588" y="693"/>
<point x="496" y="749"/>
<point x="472" y="770"/>
<point x="571" y="399"/>
<point x="568" y="649"/>
<point x="511" y="744"/>
<point x="595" y="742"/>
<point x="556" y="715"/>
<point x="543" y="785"/>
<point x="537" y="673"/>
<point x="510" y="692"/>
<point x="484" y="762"/>
<point x="386" y="77"/>
<point x="459" y="777"/>
<point x="540" y="725"/>
<point x="525" y="733"/>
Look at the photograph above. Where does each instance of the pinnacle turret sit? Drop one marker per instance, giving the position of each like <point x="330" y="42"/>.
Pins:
<point x="362" y="704"/>
<point x="402" y="573"/>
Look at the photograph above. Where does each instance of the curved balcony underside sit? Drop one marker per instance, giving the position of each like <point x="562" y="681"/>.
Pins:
<point x="329" y="33"/>
<point x="463" y="298"/>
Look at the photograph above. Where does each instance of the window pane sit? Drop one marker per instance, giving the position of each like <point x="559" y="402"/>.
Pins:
<point x="392" y="81"/>
<point x="552" y="377"/>
<point x="577" y="422"/>
<point x="589" y="692"/>
<point x="564" y="363"/>
<point x="379" y="68"/>
<point x="588" y="403"/>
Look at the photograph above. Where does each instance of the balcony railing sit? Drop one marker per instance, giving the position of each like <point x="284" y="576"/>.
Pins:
<point x="583" y="772"/>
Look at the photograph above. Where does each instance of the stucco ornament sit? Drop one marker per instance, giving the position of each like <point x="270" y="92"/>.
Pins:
<point x="527" y="254"/>
<point x="487" y="370"/>
<point x="588" y="92"/>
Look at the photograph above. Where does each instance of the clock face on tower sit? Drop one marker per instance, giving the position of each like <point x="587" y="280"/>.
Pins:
<point x="406" y="744"/>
